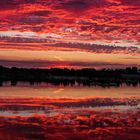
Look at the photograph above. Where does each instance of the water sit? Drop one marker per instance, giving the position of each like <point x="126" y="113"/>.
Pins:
<point x="36" y="111"/>
<point x="45" y="90"/>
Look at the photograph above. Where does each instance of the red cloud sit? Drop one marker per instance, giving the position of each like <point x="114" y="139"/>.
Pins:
<point x="106" y="21"/>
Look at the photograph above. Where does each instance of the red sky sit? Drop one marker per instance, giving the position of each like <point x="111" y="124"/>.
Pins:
<point x="70" y="33"/>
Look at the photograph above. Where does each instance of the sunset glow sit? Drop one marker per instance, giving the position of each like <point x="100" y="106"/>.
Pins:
<point x="69" y="69"/>
<point x="70" y="33"/>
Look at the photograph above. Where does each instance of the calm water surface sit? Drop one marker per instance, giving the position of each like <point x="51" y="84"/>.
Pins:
<point x="44" y="90"/>
<point x="47" y="112"/>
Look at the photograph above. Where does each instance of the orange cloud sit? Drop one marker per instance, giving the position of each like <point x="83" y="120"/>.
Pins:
<point x="99" y="22"/>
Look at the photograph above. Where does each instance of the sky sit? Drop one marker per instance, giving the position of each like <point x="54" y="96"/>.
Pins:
<point x="70" y="33"/>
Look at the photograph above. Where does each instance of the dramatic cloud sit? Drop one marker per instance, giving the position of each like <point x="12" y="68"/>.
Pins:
<point x="70" y="24"/>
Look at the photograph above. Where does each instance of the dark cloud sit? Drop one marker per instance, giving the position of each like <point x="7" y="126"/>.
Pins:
<point x="81" y="5"/>
<point x="130" y="2"/>
<point x="40" y="13"/>
<point x="75" y="5"/>
<point x="31" y="20"/>
<point x="27" y="19"/>
<point x="14" y="4"/>
<point x="8" y="4"/>
<point x="50" y="43"/>
<point x="48" y="64"/>
<point x="99" y="48"/>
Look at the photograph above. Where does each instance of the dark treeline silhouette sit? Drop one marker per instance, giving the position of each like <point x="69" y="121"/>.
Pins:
<point x="86" y="76"/>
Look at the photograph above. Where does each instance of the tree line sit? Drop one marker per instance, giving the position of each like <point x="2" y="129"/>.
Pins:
<point x="85" y="75"/>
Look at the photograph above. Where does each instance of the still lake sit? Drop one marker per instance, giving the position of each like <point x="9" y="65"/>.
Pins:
<point x="46" y="90"/>
<point x="70" y="111"/>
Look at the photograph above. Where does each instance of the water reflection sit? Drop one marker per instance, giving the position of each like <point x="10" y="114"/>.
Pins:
<point x="64" y="82"/>
<point x="70" y="110"/>
<point x="67" y="90"/>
